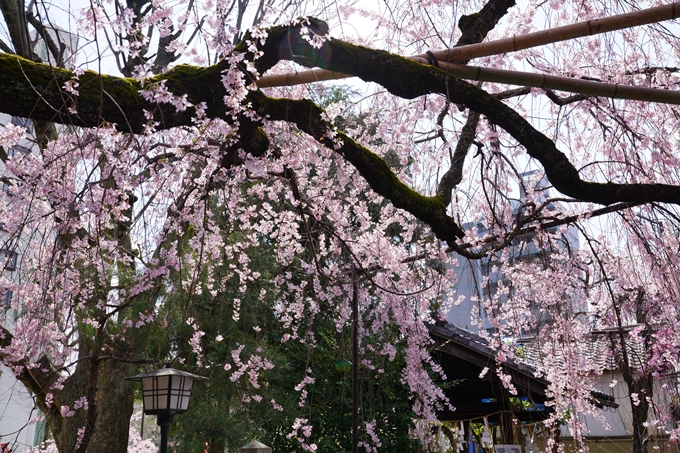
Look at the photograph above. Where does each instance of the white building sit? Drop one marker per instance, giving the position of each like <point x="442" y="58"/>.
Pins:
<point x="470" y="288"/>
<point x="19" y="415"/>
<point x="20" y="424"/>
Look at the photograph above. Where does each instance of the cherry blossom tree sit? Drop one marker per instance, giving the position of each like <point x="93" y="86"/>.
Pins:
<point x="121" y="204"/>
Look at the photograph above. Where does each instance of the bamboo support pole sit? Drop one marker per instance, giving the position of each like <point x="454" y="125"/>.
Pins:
<point x="528" y="79"/>
<point x="571" y="85"/>
<point x="299" y="77"/>
<point x="564" y="33"/>
<point x="588" y="28"/>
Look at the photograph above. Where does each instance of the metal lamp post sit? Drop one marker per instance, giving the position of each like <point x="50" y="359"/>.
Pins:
<point x="166" y="392"/>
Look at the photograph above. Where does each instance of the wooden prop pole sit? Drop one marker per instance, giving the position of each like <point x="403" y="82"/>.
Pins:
<point x="571" y="85"/>
<point x="298" y="78"/>
<point x="564" y="33"/>
<point x="528" y="79"/>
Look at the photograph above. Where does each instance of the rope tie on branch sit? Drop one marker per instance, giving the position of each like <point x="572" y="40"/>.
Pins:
<point x="432" y="59"/>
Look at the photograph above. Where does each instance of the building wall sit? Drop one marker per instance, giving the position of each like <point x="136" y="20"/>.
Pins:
<point x="17" y="413"/>
<point x="618" y="422"/>
<point x="465" y="311"/>
<point x="468" y="288"/>
<point x="17" y="409"/>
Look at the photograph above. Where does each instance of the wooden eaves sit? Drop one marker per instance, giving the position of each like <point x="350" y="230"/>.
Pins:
<point x="463" y="355"/>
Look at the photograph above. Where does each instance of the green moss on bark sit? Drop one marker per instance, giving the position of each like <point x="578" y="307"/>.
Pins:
<point x="35" y="90"/>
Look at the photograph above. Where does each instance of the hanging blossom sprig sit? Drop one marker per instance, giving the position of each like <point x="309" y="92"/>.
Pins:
<point x="301" y="431"/>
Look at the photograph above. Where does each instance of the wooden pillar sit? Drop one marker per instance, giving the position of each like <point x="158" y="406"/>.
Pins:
<point x="507" y="434"/>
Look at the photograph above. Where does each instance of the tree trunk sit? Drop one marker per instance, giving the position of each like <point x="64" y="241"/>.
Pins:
<point x="103" y="426"/>
<point x="640" y="381"/>
<point x="115" y="398"/>
<point x="90" y="411"/>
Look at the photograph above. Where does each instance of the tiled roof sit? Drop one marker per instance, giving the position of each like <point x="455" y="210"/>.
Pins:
<point x="603" y="349"/>
<point x="599" y="348"/>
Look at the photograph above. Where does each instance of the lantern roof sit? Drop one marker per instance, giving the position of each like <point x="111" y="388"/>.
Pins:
<point x="167" y="371"/>
<point x="255" y="447"/>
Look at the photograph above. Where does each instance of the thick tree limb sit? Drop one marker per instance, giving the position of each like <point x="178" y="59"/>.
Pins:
<point x="408" y="80"/>
<point x="39" y="84"/>
<point x="33" y="90"/>
<point x="13" y="12"/>
<point x="477" y="26"/>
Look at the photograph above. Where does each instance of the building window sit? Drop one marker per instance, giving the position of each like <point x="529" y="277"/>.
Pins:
<point x="18" y="151"/>
<point x="10" y="259"/>
<point x="6" y="297"/>
<point x="23" y="122"/>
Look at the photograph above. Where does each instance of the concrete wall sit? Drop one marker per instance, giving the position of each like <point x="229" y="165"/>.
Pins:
<point x="16" y="411"/>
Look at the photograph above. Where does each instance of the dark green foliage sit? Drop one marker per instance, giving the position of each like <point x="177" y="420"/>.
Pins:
<point x="220" y="417"/>
<point x="223" y="412"/>
<point x="218" y="414"/>
<point x="329" y="409"/>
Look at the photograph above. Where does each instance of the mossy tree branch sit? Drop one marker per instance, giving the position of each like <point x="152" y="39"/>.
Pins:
<point x="34" y="90"/>
<point x="106" y="99"/>
<point x="407" y="79"/>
